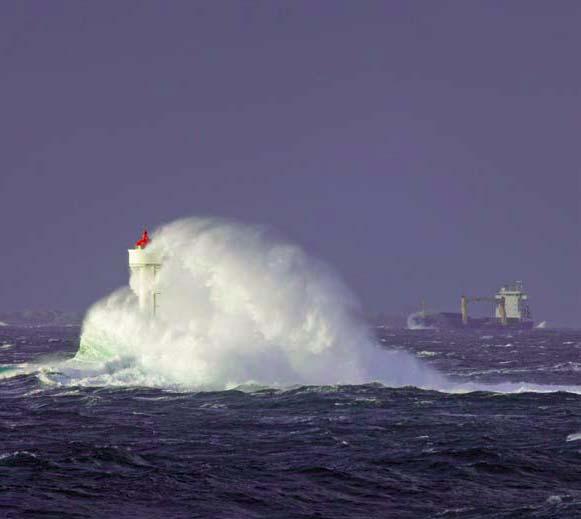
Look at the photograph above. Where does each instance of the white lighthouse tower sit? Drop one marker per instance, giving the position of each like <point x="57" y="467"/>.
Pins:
<point x="144" y="265"/>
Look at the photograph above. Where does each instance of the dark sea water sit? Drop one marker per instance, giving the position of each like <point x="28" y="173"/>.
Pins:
<point x="348" y="451"/>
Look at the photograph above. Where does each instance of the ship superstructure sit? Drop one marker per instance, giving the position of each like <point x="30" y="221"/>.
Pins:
<point x="515" y="302"/>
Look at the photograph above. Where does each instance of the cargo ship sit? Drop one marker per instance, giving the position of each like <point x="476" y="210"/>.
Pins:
<point x="511" y="311"/>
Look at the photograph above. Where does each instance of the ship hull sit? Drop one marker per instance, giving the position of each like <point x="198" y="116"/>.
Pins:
<point x="453" y="321"/>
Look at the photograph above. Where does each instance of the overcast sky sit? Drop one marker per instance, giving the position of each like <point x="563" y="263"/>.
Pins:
<point x="422" y="148"/>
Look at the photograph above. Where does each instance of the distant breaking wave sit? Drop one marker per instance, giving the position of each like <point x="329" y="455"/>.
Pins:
<point x="415" y="322"/>
<point x="239" y="305"/>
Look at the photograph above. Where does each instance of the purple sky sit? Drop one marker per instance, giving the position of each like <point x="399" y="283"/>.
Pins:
<point x="422" y="148"/>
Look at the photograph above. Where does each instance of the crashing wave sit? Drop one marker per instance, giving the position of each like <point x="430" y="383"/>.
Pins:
<point x="239" y="305"/>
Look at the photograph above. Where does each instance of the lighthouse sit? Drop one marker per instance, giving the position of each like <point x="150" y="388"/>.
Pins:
<point x="144" y="266"/>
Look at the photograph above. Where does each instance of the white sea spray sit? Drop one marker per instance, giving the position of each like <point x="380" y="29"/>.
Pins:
<point x="239" y="305"/>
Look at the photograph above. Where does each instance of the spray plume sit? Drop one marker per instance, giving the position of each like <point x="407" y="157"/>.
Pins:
<point x="239" y="306"/>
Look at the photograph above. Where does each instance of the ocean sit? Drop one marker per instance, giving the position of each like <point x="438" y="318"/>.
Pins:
<point x="357" y="451"/>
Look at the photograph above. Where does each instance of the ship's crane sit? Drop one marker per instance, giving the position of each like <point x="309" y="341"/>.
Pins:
<point x="499" y="301"/>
